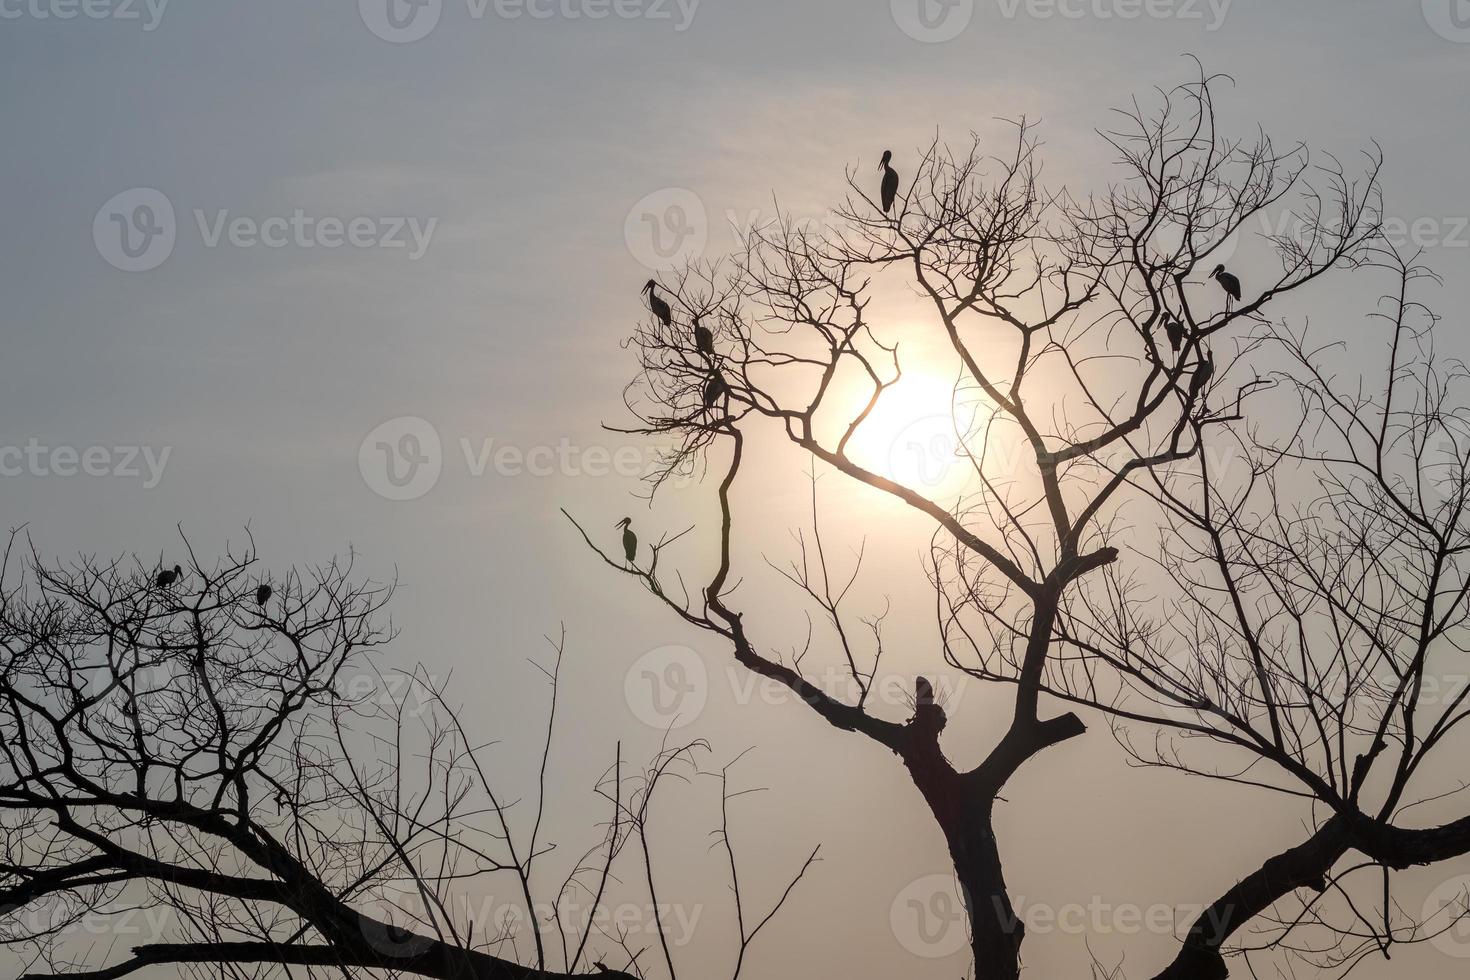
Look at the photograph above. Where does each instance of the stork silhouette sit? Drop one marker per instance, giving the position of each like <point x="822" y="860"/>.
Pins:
<point x="658" y="306"/>
<point x="1174" y="330"/>
<point x="1202" y="375"/>
<point x="714" y="389"/>
<point x="704" y="341"/>
<point x="890" y="181"/>
<point x="630" y="540"/>
<point x="1228" y="282"/>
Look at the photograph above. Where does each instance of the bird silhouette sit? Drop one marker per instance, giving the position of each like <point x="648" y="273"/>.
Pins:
<point x="1174" y="330"/>
<point x="1227" y="282"/>
<point x="704" y="341"/>
<point x="658" y="306"/>
<point x="714" y="389"/>
<point x="630" y="540"/>
<point x="168" y="577"/>
<point x="890" y="181"/>
<point x="1202" y="375"/>
<point x="927" y="712"/>
<point x="262" y="594"/>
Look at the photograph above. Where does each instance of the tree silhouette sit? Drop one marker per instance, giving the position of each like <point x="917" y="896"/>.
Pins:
<point x="185" y="748"/>
<point x="1213" y="537"/>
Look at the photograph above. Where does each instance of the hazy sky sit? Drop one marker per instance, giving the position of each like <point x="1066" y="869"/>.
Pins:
<point x="451" y="228"/>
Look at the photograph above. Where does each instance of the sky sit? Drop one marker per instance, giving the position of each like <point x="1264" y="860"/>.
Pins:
<point x="248" y="246"/>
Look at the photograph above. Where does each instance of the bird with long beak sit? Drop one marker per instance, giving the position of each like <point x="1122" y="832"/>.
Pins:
<point x="658" y="306"/>
<point x="1227" y="282"/>
<point x="630" y="540"/>
<point x="168" y="577"/>
<point x="890" y="181"/>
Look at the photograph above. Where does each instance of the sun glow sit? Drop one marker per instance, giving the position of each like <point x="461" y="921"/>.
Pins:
<point x="910" y="436"/>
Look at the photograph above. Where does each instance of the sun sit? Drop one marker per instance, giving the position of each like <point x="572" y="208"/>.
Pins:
<point x="911" y="438"/>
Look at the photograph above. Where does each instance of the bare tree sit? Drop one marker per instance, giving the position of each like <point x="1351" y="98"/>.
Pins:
<point x="1093" y="332"/>
<point x="1322" y="594"/>
<point x="197" y="743"/>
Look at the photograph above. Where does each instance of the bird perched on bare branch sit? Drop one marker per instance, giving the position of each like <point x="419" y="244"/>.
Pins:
<point x="168" y="577"/>
<point x="630" y="540"/>
<point x="1174" y="330"/>
<point x="660" y="308"/>
<point x="704" y="341"/>
<point x="715" y="389"/>
<point x="890" y="181"/>
<point x="1227" y="282"/>
<point x="1202" y="375"/>
<point x="927" y="711"/>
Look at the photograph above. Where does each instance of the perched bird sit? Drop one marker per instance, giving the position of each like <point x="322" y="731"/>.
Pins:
<point x="927" y="711"/>
<point x="1227" y="282"/>
<point x="890" y="181"/>
<point x="1175" y="332"/>
<point x="715" y="389"/>
<point x="659" y="307"/>
<point x="704" y="341"/>
<point x="1202" y="375"/>
<point x="630" y="540"/>
<point x="168" y="577"/>
<point x="262" y="594"/>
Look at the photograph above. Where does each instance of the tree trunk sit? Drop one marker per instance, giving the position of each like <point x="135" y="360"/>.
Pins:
<point x="963" y="806"/>
<point x="996" y="932"/>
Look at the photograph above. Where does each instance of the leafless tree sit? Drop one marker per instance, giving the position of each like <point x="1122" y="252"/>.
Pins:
<point x="175" y="743"/>
<point x="1304" y="610"/>
<point x="1317" y="624"/>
